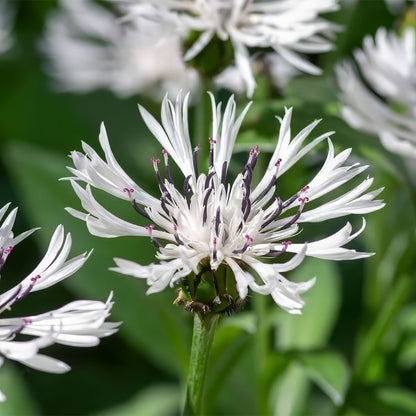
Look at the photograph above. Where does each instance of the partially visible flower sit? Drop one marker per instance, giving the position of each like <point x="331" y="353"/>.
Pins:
<point x="6" y="26"/>
<point x="79" y="323"/>
<point x="381" y="97"/>
<point x="289" y="27"/>
<point x="273" y="66"/>
<point x="88" y="49"/>
<point x="218" y="231"/>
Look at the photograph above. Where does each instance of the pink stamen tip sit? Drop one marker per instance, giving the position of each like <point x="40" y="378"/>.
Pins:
<point x="212" y="141"/>
<point x="129" y="191"/>
<point x="35" y="278"/>
<point x="165" y="152"/>
<point x="155" y="161"/>
<point x="286" y="244"/>
<point x="215" y="241"/>
<point x="248" y="238"/>
<point x="175" y="227"/>
<point x="26" y="321"/>
<point x="7" y="250"/>
<point x="150" y="228"/>
<point x="305" y="188"/>
<point x="277" y="164"/>
<point x="303" y="200"/>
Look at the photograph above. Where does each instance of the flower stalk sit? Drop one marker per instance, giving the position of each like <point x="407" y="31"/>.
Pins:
<point x="202" y="338"/>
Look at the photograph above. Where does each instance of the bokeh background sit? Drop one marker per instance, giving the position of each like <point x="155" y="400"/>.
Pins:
<point x="356" y="338"/>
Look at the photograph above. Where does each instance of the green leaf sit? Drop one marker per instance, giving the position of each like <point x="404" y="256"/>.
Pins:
<point x="290" y="392"/>
<point x="329" y="371"/>
<point x="312" y="329"/>
<point x="18" y="399"/>
<point x="150" y="323"/>
<point x="156" y="400"/>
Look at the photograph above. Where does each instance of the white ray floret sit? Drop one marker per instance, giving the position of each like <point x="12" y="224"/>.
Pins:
<point x="79" y="323"/>
<point x="215" y="222"/>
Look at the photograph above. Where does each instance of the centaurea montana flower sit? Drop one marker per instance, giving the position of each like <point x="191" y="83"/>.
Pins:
<point x="217" y="231"/>
<point x="288" y="27"/>
<point x="80" y="323"/>
<point x="383" y="100"/>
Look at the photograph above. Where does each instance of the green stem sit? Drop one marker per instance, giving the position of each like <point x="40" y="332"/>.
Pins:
<point x="204" y="330"/>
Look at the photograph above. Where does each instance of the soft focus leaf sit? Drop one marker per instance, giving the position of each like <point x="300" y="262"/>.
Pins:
<point x="18" y="399"/>
<point x="313" y="327"/>
<point x="151" y="323"/>
<point x="290" y="391"/>
<point x="329" y="371"/>
<point x="157" y="400"/>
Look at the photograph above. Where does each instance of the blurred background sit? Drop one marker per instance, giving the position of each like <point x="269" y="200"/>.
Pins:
<point x="352" y="352"/>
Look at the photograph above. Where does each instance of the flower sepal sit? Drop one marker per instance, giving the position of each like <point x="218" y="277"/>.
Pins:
<point x="210" y="291"/>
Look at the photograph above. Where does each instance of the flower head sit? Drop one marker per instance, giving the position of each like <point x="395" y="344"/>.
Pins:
<point x="289" y="27"/>
<point x="88" y="49"/>
<point x="383" y="101"/>
<point x="212" y="233"/>
<point x="79" y="323"/>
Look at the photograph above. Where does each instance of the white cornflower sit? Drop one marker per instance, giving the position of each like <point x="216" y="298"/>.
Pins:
<point x="383" y="100"/>
<point x="218" y="231"/>
<point x="79" y="323"/>
<point x="289" y="27"/>
<point x="88" y="49"/>
<point x="6" y="25"/>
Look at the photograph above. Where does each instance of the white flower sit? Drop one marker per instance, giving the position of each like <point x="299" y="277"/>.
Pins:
<point x="386" y="106"/>
<point x="216" y="224"/>
<point x="289" y="27"/>
<point x="6" y="25"/>
<point x="79" y="323"/>
<point x="88" y="49"/>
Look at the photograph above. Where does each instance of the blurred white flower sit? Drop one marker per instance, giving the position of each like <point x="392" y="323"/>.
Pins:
<point x="271" y="65"/>
<point x="217" y="224"/>
<point x="289" y="27"/>
<point x="380" y="98"/>
<point x="88" y="49"/>
<point x="6" y="26"/>
<point x="79" y="323"/>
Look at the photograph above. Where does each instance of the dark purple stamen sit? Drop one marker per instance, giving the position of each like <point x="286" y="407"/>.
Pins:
<point x="187" y="190"/>
<point x="217" y="221"/>
<point x="275" y="254"/>
<point x="249" y="240"/>
<point x="205" y="204"/>
<point x="211" y="151"/>
<point x="214" y="252"/>
<point x="158" y="177"/>
<point x="33" y="280"/>
<point x="167" y="170"/>
<point x="209" y="177"/>
<point x="163" y="203"/>
<point x="274" y="214"/>
<point x="176" y="235"/>
<point x="297" y="215"/>
<point x="195" y="159"/>
<point x="139" y="210"/>
<point x="150" y="228"/>
<point x="295" y="197"/>
<point x="272" y="180"/>
<point x="247" y="209"/>
<point x="223" y="172"/>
